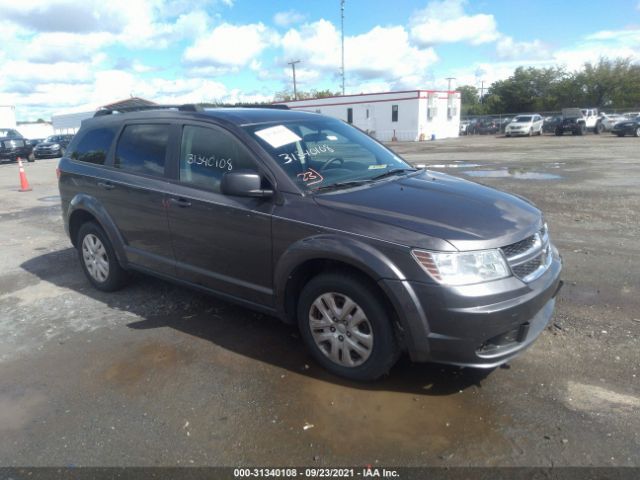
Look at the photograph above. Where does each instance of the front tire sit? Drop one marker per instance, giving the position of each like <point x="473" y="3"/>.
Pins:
<point x="637" y="132"/>
<point x="346" y="327"/>
<point x="98" y="259"/>
<point x="599" y="128"/>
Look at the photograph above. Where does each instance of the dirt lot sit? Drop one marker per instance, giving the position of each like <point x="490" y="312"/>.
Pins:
<point x="159" y="375"/>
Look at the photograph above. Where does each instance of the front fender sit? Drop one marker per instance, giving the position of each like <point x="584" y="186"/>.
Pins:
<point x="349" y="251"/>
<point x="89" y="204"/>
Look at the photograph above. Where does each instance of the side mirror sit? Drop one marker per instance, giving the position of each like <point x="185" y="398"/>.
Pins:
<point x="243" y="183"/>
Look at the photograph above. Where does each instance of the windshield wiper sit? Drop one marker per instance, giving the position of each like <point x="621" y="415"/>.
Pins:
<point x="335" y="186"/>
<point x="393" y="171"/>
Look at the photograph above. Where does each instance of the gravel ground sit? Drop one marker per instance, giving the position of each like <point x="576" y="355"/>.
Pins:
<point x="159" y="375"/>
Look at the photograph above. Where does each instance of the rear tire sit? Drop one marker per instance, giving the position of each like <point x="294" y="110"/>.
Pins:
<point x="637" y="132"/>
<point x="621" y="134"/>
<point x="559" y="132"/>
<point x="346" y="327"/>
<point x="98" y="259"/>
<point x="599" y="128"/>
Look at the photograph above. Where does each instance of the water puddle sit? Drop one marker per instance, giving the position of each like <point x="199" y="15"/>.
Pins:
<point x="451" y="165"/>
<point x="516" y="173"/>
<point x="51" y="198"/>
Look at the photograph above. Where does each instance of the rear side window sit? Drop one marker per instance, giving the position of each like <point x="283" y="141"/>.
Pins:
<point x="93" y="146"/>
<point x="142" y="149"/>
<point x="207" y="154"/>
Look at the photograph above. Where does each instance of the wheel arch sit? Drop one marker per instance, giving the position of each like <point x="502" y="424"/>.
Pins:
<point x="85" y="208"/>
<point x="310" y="257"/>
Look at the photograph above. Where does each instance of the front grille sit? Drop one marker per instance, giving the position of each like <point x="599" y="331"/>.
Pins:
<point x="530" y="257"/>
<point x="519" y="247"/>
<point x="527" y="268"/>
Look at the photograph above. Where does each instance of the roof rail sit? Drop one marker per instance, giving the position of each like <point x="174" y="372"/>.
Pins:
<point x="266" y="105"/>
<point x="187" y="107"/>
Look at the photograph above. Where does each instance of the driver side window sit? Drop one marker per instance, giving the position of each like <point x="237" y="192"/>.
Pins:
<point x="206" y="154"/>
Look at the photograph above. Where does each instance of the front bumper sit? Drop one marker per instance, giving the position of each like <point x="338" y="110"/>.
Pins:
<point x="481" y="325"/>
<point x="47" y="154"/>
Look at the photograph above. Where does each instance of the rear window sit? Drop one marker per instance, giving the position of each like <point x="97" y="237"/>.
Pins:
<point x="142" y="149"/>
<point x="93" y="146"/>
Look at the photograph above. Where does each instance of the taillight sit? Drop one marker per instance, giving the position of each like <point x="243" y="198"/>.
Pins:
<point x="58" y="172"/>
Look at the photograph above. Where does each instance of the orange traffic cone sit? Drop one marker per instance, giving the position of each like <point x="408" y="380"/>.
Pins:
<point x="24" y="184"/>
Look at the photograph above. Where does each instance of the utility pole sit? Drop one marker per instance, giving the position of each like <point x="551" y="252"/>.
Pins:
<point x="342" y="30"/>
<point x="448" y="79"/>
<point x="293" y="68"/>
<point x="482" y="91"/>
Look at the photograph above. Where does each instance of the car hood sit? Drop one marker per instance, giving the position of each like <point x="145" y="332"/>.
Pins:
<point x="466" y="214"/>
<point x="47" y="144"/>
<point x="627" y="123"/>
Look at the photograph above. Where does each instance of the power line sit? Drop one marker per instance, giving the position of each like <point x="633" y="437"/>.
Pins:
<point x="293" y="68"/>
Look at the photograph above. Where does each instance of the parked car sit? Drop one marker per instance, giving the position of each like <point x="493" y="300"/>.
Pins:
<point x="53" y="147"/>
<point x="463" y="127"/>
<point x="632" y="115"/>
<point x="578" y="121"/>
<point x="525" y="125"/>
<point x="307" y="218"/>
<point x="487" y="126"/>
<point x="504" y="121"/>
<point x="627" y="127"/>
<point x="550" y="123"/>
<point x="12" y="146"/>
<point x="606" y="122"/>
<point x="35" y="141"/>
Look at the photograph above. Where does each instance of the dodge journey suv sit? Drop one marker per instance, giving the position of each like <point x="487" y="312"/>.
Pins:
<point x="307" y="218"/>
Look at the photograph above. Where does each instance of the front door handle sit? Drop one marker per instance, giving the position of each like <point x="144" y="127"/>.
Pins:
<point x="181" y="202"/>
<point x="106" y="185"/>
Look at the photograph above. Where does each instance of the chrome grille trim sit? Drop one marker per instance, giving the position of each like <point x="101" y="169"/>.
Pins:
<point x="529" y="258"/>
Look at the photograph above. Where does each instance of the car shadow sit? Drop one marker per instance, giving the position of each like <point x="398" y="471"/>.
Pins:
<point x="162" y="304"/>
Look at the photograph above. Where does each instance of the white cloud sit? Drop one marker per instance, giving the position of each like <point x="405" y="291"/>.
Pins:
<point x="508" y="48"/>
<point x="230" y="45"/>
<point x="285" y="19"/>
<point x="445" y="21"/>
<point x="382" y="53"/>
<point x="52" y="47"/>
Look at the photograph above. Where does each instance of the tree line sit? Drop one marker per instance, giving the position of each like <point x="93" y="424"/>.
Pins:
<point x="607" y="84"/>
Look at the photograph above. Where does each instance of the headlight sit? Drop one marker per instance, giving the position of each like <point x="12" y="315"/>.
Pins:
<point x="55" y="146"/>
<point x="463" y="268"/>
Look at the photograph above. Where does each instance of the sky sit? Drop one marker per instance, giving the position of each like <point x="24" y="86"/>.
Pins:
<point x="59" y="56"/>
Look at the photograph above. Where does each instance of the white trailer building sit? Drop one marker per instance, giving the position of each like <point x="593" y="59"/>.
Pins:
<point x="412" y="115"/>
<point x="7" y="116"/>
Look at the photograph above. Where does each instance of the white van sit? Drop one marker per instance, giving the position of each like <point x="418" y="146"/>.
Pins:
<point x="525" y="125"/>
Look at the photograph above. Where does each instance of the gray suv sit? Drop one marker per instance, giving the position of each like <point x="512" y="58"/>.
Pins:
<point x="306" y="218"/>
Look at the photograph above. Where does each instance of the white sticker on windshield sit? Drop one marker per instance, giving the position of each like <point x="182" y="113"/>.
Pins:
<point x="278" y="136"/>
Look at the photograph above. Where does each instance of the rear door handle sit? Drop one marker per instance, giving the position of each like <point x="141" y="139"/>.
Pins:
<point x="181" y="202"/>
<point x="106" y="185"/>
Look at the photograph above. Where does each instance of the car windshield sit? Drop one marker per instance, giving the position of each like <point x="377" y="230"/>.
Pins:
<point x="8" y="132"/>
<point x="522" y="119"/>
<point x="52" y="139"/>
<point x="325" y="153"/>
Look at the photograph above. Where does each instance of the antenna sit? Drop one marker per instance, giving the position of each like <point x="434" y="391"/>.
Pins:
<point x="342" y="40"/>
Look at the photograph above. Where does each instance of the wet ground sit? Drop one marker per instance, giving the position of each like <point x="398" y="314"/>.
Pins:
<point x="159" y="375"/>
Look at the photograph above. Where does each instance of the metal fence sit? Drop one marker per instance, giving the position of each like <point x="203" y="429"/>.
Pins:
<point x="483" y="122"/>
